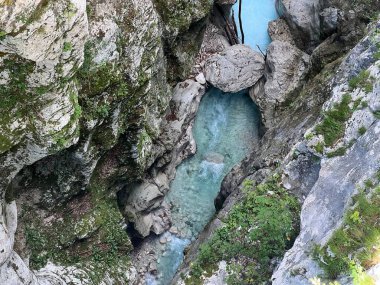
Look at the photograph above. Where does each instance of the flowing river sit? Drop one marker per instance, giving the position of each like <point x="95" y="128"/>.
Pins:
<point x="225" y="130"/>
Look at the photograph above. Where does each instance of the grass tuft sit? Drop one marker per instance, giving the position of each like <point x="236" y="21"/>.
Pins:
<point x="333" y="125"/>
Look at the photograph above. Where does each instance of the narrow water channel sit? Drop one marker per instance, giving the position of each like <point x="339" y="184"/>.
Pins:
<point x="255" y="15"/>
<point x="225" y="130"/>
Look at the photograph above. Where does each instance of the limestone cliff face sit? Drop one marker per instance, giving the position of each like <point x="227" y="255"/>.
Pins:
<point x="320" y="52"/>
<point x="84" y="86"/>
<point x="91" y="128"/>
<point x="341" y="173"/>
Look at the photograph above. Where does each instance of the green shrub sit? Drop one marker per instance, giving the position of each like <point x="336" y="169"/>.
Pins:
<point x="362" y="130"/>
<point x="363" y="80"/>
<point x="256" y="230"/>
<point x="319" y="147"/>
<point x="67" y="46"/>
<point x="377" y="114"/>
<point x="339" y="152"/>
<point x="333" y="125"/>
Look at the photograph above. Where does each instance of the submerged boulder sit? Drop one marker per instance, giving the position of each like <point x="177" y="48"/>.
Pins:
<point x="214" y="157"/>
<point x="235" y="69"/>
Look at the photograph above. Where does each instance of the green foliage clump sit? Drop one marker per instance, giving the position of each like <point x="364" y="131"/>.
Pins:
<point x="67" y="46"/>
<point x="319" y="147"/>
<point x="362" y="130"/>
<point x="339" y="152"/>
<point x="2" y="34"/>
<point x="94" y="241"/>
<point x="333" y="125"/>
<point x="363" y="80"/>
<point x="256" y="230"/>
<point x="355" y="246"/>
<point x="377" y="114"/>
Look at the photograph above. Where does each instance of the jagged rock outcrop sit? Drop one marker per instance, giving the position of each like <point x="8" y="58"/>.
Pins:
<point x="340" y="174"/>
<point x="303" y="19"/>
<point x="82" y="113"/>
<point x="286" y="71"/>
<point x="279" y="31"/>
<point x="145" y="205"/>
<point x="235" y="69"/>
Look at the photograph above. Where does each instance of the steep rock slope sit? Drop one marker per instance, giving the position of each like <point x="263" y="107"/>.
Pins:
<point x="349" y="157"/>
<point x="292" y="158"/>
<point x="84" y="88"/>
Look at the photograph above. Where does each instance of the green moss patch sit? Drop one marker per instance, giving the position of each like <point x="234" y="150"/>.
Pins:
<point x="87" y="233"/>
<point x="262" y="226"/>
<point x="363" y="80"/>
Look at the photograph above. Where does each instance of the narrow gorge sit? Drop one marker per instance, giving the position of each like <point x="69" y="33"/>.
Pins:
<point x="214" y="142"/>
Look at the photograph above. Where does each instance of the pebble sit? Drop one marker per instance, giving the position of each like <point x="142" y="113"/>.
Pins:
<point x="200" y="78"/>
<point x="173" y="230"/>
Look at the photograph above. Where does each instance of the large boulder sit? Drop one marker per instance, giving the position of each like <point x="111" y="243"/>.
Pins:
<point x="235" y="69"/>
<point x="303" y="19"/>
<point x="285" y="73"/>
<point x="145" y="206"/>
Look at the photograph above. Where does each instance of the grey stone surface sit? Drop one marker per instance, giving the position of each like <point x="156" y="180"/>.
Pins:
<point x="303" y="19"/>
<point x="286" y="70"/>
<point x="279" y="31"/>
<point x="329" y="20"/>
<point x="235" y="69"/>
<point x="324" y="208"/>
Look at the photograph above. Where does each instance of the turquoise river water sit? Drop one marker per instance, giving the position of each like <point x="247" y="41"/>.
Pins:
<point x="255" y="15"/>
<point x="225" y="130"/>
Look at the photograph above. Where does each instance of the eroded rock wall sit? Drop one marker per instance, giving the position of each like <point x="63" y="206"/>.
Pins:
<point x="84" y="89"/>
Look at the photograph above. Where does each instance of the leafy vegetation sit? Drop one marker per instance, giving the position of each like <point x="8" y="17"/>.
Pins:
<point x="355" y="246"/>
<point x="333" y="125"/>
<point x="67" y="46"/>
<point x="377" y="114"/>
<point x="256" y="230"/>
<point x="362" y="130"/>
<point x="364" y="81"/>
<point x="2" y="34"/>
<point x="339" y="152"/>
<point x="319" y="147"/>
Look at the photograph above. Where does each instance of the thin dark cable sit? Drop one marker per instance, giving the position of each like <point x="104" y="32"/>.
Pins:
<point x="241" y="22"/>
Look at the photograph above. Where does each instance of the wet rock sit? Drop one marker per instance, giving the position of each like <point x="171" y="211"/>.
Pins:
<point x="161" y="220"/>
<point x="235" y="69"/>
<point x="214" y="158"/>
<point x="163" y="240"/>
